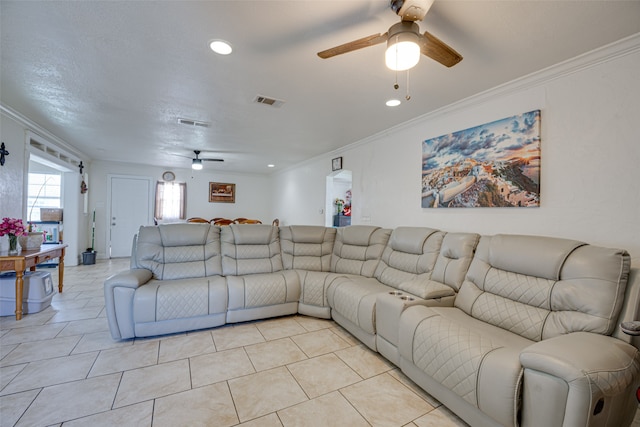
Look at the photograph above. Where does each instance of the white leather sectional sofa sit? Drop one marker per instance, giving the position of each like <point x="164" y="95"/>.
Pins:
<point x="505" y="330"/>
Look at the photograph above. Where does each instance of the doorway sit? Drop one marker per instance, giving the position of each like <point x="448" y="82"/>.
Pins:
<point x="130" y="207"/>
<point x="338" y="188"/>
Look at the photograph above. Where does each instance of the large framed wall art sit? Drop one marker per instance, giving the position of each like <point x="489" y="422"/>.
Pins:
<point x="492" y="165"/>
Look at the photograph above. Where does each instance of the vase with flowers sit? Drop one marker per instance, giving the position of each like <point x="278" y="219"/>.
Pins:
<point x="12" y="227"/>
<point x="32" y="239"/>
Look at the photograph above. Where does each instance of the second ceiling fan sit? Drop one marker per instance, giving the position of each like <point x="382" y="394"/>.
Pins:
<point x="196" y="163"/>
<point x="404" y="41"/>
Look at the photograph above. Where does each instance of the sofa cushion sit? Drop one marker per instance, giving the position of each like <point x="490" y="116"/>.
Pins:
<point x="250" y="249"/>
<point x="160" y="300"/>
<point x="579" y="287"/>
<point x="477" y="361"/>
<point x="315" y="285"/>
<point x="307" y="247"/>
<point x="354" y="298"/>
<point x="178" y="251"/>
<point x="411" y="251"/>
<point x="260" y="290"/>
<point x="358" y="248"/>
<point x="456" y="254"/>
<point x="531" y="255"/>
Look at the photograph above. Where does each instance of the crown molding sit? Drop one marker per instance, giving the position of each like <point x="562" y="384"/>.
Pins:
<point x="44" y="134"/>
<point x="618" y="49"/>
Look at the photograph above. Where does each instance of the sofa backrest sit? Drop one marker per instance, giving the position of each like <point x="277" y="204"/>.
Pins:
<point x="250" y="249"/>
<point x="541" y="287"/>
<point x="307" y="247"/>
<point x="410" y="253"/>
<point x="454" y="258"/>
<point x="179" y="251"/>
<point x="358" y="248"/>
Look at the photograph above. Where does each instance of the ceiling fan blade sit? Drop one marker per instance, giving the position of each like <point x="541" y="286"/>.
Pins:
<point x="212" y="160"/>
<point x="438" y="50"/>
<point x="354" y="45"/>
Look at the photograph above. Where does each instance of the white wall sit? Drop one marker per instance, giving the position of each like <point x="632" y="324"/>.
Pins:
<point x="590" y="168"/>
<point x="253" y="194"/>
<point x="14" y="131"/>
<point x="12" y="174"/>
<point x="589" y="175"/>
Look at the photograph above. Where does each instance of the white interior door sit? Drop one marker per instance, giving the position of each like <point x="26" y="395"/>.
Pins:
<point x="131" y="203"/>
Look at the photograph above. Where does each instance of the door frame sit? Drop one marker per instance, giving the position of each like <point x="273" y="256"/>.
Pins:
<point x="330" y="193"/>
<point x="108" y="207"/>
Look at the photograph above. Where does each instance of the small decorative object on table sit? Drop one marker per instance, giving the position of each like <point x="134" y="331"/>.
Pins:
<point x="31" y="240"/>
<point x="14" y="228"/>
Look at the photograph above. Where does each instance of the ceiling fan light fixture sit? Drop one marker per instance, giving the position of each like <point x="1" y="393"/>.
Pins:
<point x="403" y="51"/>
<point x="393" y="103"/>
<point x="196" y="164"/>
<point x="220" y="47"/>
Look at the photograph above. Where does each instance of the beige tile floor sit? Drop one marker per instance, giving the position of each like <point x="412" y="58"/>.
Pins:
<point x="60" y="367"/>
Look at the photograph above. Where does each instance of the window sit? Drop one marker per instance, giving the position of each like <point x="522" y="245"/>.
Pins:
<point x="170" y="201"/>
<point x="44" y="191"/>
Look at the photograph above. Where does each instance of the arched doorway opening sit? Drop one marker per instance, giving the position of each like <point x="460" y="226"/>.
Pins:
<point x="338" y="188"/>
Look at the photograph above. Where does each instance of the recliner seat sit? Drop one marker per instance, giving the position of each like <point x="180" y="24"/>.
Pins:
<point x="495" y="348"/>
<point x="259" y="286"/>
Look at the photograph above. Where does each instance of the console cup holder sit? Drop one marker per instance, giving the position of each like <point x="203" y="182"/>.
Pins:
<point x="396" y="293"/>
<point x="406" y="298"/>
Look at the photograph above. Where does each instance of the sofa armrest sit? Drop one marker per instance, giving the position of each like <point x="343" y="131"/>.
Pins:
<point x="579" y="354"/>
<point x="581" y="375"/>
<point x="118" y="300"/>
<point x="427" y="289"/>
<point x="130" y="278"/>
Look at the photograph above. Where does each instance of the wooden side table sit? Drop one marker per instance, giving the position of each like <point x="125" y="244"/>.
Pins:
<point x="30" y="259"/>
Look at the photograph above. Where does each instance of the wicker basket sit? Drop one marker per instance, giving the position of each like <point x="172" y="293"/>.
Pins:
<point x="31" y="241"/>
<point x="49" y="214"/>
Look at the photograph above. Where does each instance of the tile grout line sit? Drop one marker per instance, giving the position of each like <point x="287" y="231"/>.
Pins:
<point x="28" y="406"/>
<point x="101" y="348"/>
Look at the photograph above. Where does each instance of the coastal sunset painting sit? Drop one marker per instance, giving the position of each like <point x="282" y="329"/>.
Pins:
<point x="492" y="165"/>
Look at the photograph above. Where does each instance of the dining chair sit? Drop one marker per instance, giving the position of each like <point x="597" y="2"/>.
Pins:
<point x="197" y="219"/>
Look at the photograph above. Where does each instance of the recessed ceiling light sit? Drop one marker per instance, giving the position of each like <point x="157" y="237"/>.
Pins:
<point x="271" y="166"/>
<point x="220" y="47"/>
<point x="393" y="103"/>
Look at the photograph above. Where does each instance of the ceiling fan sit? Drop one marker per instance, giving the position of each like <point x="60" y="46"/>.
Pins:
<point x="196" y="163"/>
<point x="404" y="41"/>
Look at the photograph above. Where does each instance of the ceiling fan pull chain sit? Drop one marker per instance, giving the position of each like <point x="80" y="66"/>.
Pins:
<point x="407" y="96"/>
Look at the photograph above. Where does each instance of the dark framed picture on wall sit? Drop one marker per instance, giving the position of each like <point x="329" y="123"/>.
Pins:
<point x="336" y="164"/>
<point x="222" y="192"/>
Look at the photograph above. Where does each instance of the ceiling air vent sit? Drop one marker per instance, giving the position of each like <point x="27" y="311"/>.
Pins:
<point x="268" y="101"/>
<point x="196" y="123"/>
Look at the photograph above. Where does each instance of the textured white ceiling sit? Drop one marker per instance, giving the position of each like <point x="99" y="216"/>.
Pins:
<point x="112" y="77"/>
